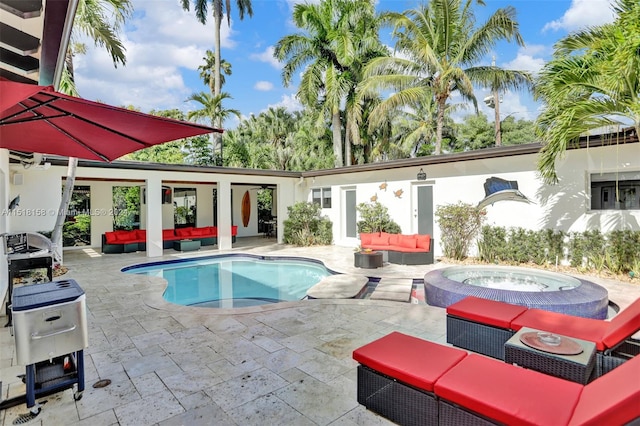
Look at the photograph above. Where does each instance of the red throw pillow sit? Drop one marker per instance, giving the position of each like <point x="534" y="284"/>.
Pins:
<point x="423" y="241"/>
<point x="183" y="232"/>
<point x="110" y="237"/>
<point x="122" y="235"/>
<point x="394" y="239"/>
<point x="168" y="233"/>
<point x="407" y="241"/>
<point x="365" y="238"/>
<point x="382" y="240"/>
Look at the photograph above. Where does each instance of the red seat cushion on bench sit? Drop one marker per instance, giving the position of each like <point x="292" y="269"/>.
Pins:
<point x="625" y="324"/>
<point x="411" y="360"/>
<point x="589" y="329"/>
<point x="611" y="399"/>
<point x="489" y="312"/>
<point x="509" y="394"/>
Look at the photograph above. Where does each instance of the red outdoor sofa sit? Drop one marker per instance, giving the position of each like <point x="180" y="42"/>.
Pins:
<point x="416" y="382"/>
<point x="402" y="249"/>
<point x="483" y="326"/>
<point x="136" y="239"/>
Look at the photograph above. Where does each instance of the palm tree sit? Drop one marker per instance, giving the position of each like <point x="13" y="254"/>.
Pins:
<point x="213" y="111"/>
<point x="219" y="10"/>
<point x="207" y="70"/>
<point x="201" y="6"/>
<point x="592" y="81"/>
<point x="101" y="20"/>
<point x="498" y="79"/>
<point x="338" y="37"/>
<point x="440" y="46"/>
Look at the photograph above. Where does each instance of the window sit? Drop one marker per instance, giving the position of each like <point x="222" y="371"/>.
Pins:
<point x="184" y="207"/>
<point x="322" y="197"/>
<point x="615" y="191"/>
<point x="126" y="207"/>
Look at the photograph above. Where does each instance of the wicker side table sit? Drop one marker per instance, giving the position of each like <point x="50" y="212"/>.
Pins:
<point x="577" y="368"/>
<point x="367" y="260"/>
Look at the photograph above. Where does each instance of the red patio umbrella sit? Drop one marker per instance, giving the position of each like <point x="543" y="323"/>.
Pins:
<point x="39" y="119"/>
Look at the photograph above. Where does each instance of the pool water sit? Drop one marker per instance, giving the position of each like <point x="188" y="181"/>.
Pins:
<point x="232" y="281"/>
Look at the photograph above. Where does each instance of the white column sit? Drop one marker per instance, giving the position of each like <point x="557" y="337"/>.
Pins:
<point x="154" y="216"/>
<point x="224" y="215"/>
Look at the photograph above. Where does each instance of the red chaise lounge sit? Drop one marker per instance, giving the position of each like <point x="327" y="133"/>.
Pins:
<point x="483" y="326"/>
<point x="415" y="382"/>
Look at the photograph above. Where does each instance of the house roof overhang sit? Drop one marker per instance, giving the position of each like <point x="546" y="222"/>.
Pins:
<point x="34" y="36"/>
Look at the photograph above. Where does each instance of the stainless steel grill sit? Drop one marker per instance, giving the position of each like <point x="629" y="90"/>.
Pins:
<point x="49" y="320"/>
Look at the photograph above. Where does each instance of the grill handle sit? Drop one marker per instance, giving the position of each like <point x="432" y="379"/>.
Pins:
<point x="36" y="336"/>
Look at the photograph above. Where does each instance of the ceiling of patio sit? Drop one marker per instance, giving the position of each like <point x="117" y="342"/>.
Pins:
<point x="33" y="37"/>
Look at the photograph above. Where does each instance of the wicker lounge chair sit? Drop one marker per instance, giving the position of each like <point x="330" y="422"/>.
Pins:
<point x="484" y="326"/>
<point x="415" y="382"/>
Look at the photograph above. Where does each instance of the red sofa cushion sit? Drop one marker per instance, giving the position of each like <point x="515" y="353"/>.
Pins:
<point x="485" y="311"/>
<point x="507" y="393"/>
<point x="613" y="398"/>
<point x="168" y="234"/>
<point x="423" y="241"/>
<point x="141" y="234"/>
<point x="407" y="241"/>
<point x="125" y="236"/>
<point x="411" y="360"/>
<point x="589" y="329"/>
<point x="365" y="238"/>
<point x="184" y="232"/>
<point x="234" y="230"/>
<point x="213" y="231"/>
<point x="110" y="237"/>
<point x="199" y="232"/>
<point x="380" y="240"/>
<point x="393" y="239"/>
<point x="624" y="324"/>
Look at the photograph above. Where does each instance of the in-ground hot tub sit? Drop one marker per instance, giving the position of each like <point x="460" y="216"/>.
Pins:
<point x="521" y="286"/>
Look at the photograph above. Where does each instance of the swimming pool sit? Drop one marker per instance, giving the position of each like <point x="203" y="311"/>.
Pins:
<point x="234" y="280"/>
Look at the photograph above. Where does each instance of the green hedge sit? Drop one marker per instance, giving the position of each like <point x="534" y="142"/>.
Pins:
<point x="617" y="251"/>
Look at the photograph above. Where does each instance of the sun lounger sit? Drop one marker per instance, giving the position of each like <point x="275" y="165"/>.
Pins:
<point x="483" y="326"/>
<point x="415" y="382"/>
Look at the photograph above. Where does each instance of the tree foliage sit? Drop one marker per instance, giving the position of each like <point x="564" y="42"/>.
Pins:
<point x="593" y="81"/>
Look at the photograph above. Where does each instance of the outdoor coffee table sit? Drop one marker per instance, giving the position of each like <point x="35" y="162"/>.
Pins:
<point x="367" y="259"/>
<point x="569" y="358"/>
<point x="186" y="245"/>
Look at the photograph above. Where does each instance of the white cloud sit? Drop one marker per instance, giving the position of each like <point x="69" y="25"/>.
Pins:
<point x="289" y="102"/>
<point x="582" y="14"/>
<point x="267" y="56"/>
<point x="263" y="86"/>
<point x="525" y="62"/>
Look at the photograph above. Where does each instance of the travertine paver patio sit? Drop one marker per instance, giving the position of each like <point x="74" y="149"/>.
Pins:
<point x="288" y="363"/>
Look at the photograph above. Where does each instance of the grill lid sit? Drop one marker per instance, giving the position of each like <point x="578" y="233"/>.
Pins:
<point x="38" y="295"/>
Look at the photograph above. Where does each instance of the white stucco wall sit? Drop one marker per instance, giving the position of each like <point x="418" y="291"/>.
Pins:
<point x="565" y="206"/>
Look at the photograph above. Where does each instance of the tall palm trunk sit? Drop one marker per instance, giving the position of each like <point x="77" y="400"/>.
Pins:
<point x="217" y="20"/>
<point x="496" y="101"/>
<point x="442" y="104"/>
<point x="336" y="125"/>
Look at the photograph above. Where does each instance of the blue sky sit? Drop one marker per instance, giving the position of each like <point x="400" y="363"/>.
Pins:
<point x="165" y="45"/>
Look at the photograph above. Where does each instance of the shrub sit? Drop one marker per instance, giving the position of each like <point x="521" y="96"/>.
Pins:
<point x="375" y="218"/>
<point x="459" y="224"/>
<point x="306" y="227"/>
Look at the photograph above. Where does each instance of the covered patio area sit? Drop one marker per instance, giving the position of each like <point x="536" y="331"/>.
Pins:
<point x="288" y="363"/>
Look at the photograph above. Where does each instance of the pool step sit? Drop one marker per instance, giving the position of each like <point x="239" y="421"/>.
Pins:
<point x="396" y="289"/>
<point x="340" y="286"/>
